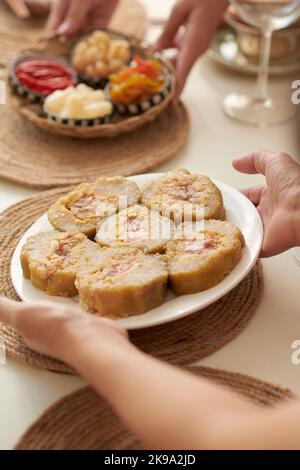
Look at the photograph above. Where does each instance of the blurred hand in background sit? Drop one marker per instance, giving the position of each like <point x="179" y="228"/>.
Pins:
<point x="39" y="7"/>
<point x="190" y="29"/>
<point x="67" y="17"/>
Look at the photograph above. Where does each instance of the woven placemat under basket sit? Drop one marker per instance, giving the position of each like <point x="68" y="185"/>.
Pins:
<point x="181" y="342"/>
<point x="40" y="160"/>
<point x="16" y="35"/>
<point x="82" y="420"/>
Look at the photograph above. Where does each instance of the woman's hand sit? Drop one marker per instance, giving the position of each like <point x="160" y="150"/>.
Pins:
<point x="60" y="331"/>
<point x="39" y="7"/>
<point x="278" y="201"/>
<point x="190" y="29"/>
<point x="67" y="17"/>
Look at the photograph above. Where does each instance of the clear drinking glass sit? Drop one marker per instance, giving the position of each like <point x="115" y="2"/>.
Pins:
<point x="260" y="108"/>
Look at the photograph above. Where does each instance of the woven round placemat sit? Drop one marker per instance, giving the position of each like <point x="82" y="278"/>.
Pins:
<point x="82" y="420"/>
<point x="16" y="35"/>
<point x="35" y="158"/>
<point x="181" y="342"/>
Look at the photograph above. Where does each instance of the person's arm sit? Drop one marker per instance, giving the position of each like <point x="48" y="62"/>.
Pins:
<point x="164" y="406"/>
<point x="190" y="30"/>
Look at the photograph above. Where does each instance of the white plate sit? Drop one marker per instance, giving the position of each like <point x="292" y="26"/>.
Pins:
<point x="225" y="50"/>
<point x="239" y="211"/>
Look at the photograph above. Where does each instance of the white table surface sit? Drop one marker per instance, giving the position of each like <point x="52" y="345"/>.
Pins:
<point x="263" y="349"/>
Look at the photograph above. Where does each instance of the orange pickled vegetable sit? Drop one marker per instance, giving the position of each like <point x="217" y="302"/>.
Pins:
<point x="138" y="82"/>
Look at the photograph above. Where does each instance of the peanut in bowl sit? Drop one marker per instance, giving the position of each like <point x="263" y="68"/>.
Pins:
<point x="99" y="53"/>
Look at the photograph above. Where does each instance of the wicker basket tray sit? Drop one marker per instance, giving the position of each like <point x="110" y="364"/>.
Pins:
<point x="33" y="112"/>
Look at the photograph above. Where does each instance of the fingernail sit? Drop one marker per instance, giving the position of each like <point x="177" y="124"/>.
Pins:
<point x="63" y="28"/>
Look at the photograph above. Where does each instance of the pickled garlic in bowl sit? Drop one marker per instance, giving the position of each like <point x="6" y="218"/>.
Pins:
<point x="81" y="102"/>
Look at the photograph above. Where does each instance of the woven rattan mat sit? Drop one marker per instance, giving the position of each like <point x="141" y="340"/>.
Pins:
<point x="35" y="158"/>
<point x="82" y="420"/>
<point x="16" y="35"/>
<point x="181" y="342"/>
